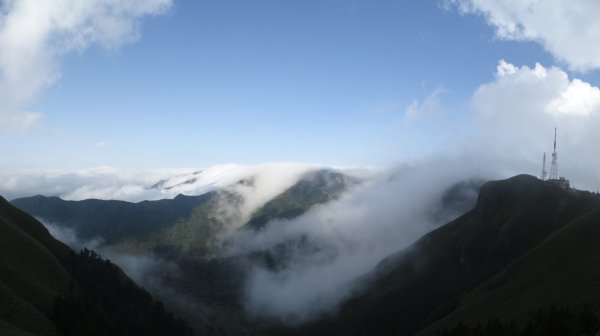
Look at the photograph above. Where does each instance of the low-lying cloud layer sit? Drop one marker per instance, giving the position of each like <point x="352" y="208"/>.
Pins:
<point x="324" y="250"/>
<point x="321" y="252"/>
<point x="263" y="182"/>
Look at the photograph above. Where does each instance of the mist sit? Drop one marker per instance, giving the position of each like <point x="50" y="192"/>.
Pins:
<point x="147" y="270"/>
<point x="135" y="185"/>
<point x="323" y="251"/>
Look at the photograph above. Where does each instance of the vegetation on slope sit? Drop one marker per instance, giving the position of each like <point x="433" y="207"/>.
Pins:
<point x="188" y="224"/>
<point x="550" y="322"/>
<point x="562" y="271"/>
<point x="111" y="220"/>
<point x="314" y="188"/>
<point x="526" y="245"/>
<point x="425" y="282"/>
<point x="47" y="289"/>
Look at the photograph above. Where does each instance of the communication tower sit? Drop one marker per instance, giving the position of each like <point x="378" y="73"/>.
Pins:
<point x="544" y="172"/>
<point x="554" y="166"/>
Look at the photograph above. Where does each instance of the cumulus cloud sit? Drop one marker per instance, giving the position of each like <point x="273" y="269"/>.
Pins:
<point x="567" y="29"/>
<point x="35" y="34"/>
<point x="517" y="112"/>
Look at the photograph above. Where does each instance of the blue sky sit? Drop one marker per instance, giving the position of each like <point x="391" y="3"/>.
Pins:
<point x="208" y="82"/>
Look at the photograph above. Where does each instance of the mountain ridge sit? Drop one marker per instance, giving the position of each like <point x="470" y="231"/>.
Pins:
<point x="421" y="284"/>
<point x="454" y="274"/>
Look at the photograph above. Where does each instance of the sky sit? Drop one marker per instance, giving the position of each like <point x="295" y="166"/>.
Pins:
<point x="193" y="83"/>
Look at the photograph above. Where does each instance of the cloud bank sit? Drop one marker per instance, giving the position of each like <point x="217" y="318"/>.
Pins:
<point x="264" y="181"/>
<point x="568" y="29"/>
<point x="36" y="34"/>
<point x="516" y="114"/>
<point x="322" y="251"/>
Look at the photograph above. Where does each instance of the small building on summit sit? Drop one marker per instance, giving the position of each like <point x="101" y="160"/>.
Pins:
<point x="561" y="182"/>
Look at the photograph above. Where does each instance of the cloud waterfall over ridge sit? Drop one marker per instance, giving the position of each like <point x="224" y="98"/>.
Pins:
<point x="333" y="244"/>
<point x="136" y="185"/>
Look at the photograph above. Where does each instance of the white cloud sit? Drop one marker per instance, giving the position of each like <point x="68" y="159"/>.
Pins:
<point x="568" y="29"/>
<point x="431" y="105"/>
<point x="268" y="181"/>
<point x="517" y="113"/>
<point x="72" y="183"/>
<point x="348" y="238"/>
<point x="35" y="34"/>
<point x="77" y="183"/>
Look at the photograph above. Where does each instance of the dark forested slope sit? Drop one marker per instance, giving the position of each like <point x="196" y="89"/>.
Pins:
<point x="440" y="274"/>
<point x="47" y="289"/>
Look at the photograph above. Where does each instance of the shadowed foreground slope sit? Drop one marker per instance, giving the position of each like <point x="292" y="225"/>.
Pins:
<point x="47" y="289"/>
<point x="526" y="235"/>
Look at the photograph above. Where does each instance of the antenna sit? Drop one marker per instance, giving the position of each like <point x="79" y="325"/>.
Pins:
<point x="544" y="168"/>
<point x="554" y="166"/>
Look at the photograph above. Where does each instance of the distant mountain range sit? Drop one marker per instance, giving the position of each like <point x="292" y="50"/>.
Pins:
<point x="187" y="230"/>
<point x="521" y="259"/>
<point x="184" y="223"/>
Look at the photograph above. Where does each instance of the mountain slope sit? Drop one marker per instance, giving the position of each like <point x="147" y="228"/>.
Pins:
<point x="47" y="289"/>
<point x="314" y="188"/>
<point x="31" y="276"/>
<point x="423" y="283"/>
<point x="562" y="271"/>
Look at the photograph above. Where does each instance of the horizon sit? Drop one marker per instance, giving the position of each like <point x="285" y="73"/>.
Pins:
<point x="181" y="83"/>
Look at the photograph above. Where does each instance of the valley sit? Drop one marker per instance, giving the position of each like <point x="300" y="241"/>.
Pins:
<point x="495" y="250"/>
